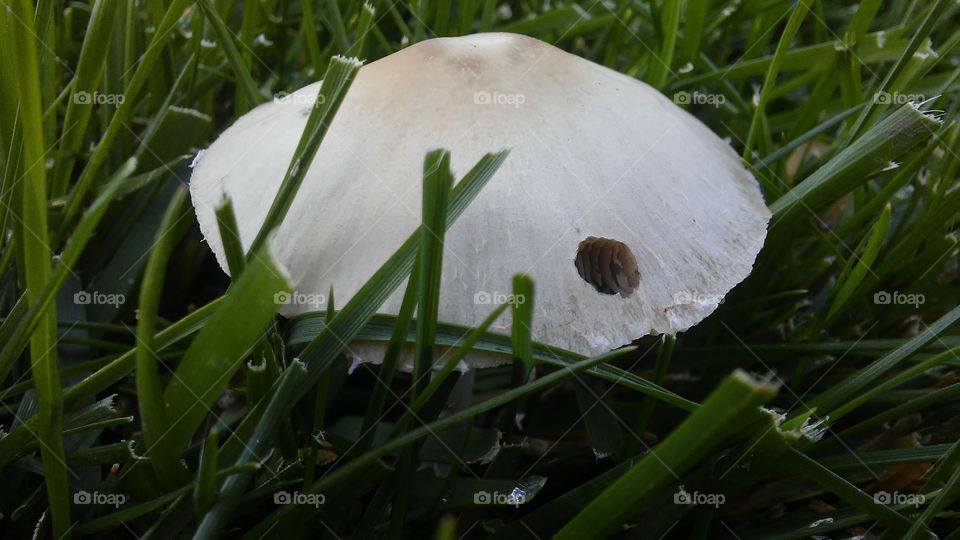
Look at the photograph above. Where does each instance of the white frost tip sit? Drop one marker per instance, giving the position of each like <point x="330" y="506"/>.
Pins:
<point x="819" y="522"/>
<point x="814" y="430"/>
<point x="352" y="60"/>
<point x="262" y="40"/>
<point x="354" y="364"/>
<point x="196" y="158"/>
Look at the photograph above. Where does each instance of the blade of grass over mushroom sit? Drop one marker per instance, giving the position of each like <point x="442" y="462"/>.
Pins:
<point x="164" y="457"/>
<point x="382" y="327"/>
<point x="522" y="321"/>
<point x="390" y="360"/>
<point x="437" y="182"/>
<point x="720" y="416"/>
<point x="230" y="236"/>
<point x="241" y="70"/>
<point x="320" y="353"/>
<point x="341" y="473"/>
<point x="800" y="9"/>
<point x="220" y="347"/>
<point x="21" y="93"/>
<point x="891" y="137"/>
<point x="448" y="366"/>
<point x="336" y="81"/>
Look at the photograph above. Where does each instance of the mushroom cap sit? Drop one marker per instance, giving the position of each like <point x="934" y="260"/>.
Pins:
<point x="594" y="153"/>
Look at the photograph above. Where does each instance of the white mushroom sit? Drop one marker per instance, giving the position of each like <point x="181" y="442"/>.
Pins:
<point x="664" y="215"/>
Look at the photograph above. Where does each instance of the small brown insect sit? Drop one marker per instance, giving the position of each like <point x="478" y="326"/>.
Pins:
<point x="608" y="265"/>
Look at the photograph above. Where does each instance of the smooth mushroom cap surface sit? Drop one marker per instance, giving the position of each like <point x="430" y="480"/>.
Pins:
<point x="594" y="153"/>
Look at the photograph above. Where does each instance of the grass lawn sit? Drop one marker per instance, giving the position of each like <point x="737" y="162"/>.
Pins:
<point x="146" y="393"/>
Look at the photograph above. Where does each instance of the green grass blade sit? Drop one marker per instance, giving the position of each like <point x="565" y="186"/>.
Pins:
<point x="221" y="346"/>
<point x="813" y="470"/>
<point x="902" y="130"/>
<point x="660" y="64"/>
<point x="859" y="264"/>
<point x="230" y="236"/>
<point x="521" y="337"/>
<point x="851" y="386"/>
<point x="84" y="86"/>
<point x="233" y="487"/>
<point x="337" y="80"/>
<point x="797" y="16"/>
<point x="437" y="182"/>
<point x="18" y="45"/>
<point x="241" y="70"/>
<point x="723" y="413"/>
<point x="164" y="457"/>
<point x="204" y="494"/>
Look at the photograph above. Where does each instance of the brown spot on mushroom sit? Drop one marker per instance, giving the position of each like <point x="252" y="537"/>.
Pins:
<point x="608" y="265"/>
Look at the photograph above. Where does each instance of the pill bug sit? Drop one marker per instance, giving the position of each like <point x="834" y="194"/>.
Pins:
<point x="608" y="265"/>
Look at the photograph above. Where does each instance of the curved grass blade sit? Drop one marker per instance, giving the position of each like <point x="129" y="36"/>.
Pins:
<point x="724" y="411"/>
